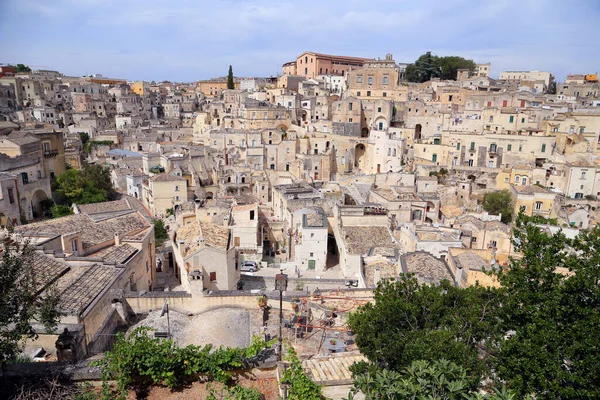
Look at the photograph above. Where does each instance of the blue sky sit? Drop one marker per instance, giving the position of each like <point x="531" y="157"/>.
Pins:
<point x="186" y="40"/>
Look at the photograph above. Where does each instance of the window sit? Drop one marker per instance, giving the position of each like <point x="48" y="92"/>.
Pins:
<point x="579" y="195"/>
<point x="349" y="106"/>
<point x="213" y="276"/>
<point x="177" y="188"/>
<point x="385" y="80"/>
<point x="370" y="80"/>
<point x="343" y="160"/>
<point x="538" y="205"/>
<point x="11" y="196"/>
<point x="473" y="239"/>
<point x="176" y="198"/>
<point x="251" y="215"/>
<point x="358" y="93"/>
<point x="312" y="254"/>
<point x="509" y="147"/>
<point x="522" y="120"/>
<point x="384" y="94"/>
<point x="517" y="179"/>
<point x="504" y="104"/>
<point x="368" y="93"/>
<point x="436" y="141"/>
<point x="520" y="147"/>
<point x="506" y="180"/>
<point x="524" y="181"/>
<point x="581" y="129"/>
<point x="25" y="177"/>
<point x="74" y="245"/>
<point x="434" y="157"/>
<point x="472" y="145"/>
<point x="572" y="129"/>
<point x="312" y="235"/>
<point x="358" y="78"/>
<point x="39" y="174"/>
<point x="349" y="119"/>
<point x="493" y="147"/>
<point x="491" y="118"/>
<point x="378" y="109"/>
<point x="582" y="174"/>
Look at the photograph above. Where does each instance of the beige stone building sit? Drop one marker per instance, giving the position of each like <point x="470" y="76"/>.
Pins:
<point x="377" y="79"/>
<point x="164" y="191"/>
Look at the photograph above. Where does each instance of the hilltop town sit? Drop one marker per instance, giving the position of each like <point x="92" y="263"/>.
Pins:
<point x="336" y="175"/>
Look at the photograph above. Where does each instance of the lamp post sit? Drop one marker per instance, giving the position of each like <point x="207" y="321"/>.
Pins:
<point x="281" y="281"/>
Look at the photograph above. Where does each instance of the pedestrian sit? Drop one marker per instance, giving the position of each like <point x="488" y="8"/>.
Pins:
<point x="298" y="271"/>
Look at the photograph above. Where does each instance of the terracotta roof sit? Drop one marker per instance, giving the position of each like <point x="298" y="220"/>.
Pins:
<point x="91" y="232"/>
<point x="215" y="236"/>
<point x="46" y="269"/>
<point x="82" y="292"/>
<point x="383" y="268"/>
<point x="116" y="254"/>
<point x="167" y="178"/>
<point x="332" y="368"/>
<point x="104" y="207"/>
<point x="426" y="267"/>
<point x="530" y="189"/>
<point x="360" y="239"/>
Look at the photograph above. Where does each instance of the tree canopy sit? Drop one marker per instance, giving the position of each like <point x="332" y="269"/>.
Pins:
<point x="92" y="184"/>
<point x="537" y="332"/>
<point x="160" y="232"/>
<point x="22" y="68"/>
<point x="429" y="66"/>
<point x="230" y="82"/>
<point x="22" y="302"/>
<point x="499" y="202"/>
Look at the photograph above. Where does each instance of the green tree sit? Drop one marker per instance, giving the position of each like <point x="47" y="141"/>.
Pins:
<point x="22" y="68"/>
<point x="92" y="184"/>
<point x="553" y="315"/>
<point x="59" y="210"/>
<point x="160" y="232"/>
<point x="439" y="379"/>
<point x="499" y="202"/>
<point x="411" y="321"/>
<point x="429" y="66"/>
<point x="448" y="66"/>
<point x="230" y="83"/>
<point x="301" y="387"/>
<point x="23" y="300"/>
<point x="85" y="137"/>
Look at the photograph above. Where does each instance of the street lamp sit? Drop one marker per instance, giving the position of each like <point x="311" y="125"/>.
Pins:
<point x="281" y="281"/>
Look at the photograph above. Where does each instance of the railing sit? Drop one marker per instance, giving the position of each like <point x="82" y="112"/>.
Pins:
<point x="50" y="153"/>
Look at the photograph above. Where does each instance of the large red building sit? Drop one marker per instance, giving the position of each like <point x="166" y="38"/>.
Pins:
<point x="7" y="70"/>
<point x="310" y="65"/>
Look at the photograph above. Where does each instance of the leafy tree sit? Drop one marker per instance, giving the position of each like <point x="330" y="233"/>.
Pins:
<point x="538" y="332"/>
<point x="92" y="184"/>
<point x="160" y="232"/>
<point x="439" y="379"/>
<point x="230" y="83"/>
<point x="301" y="387"/>
<point x="22" y="68"/>
<point x="145" y="359"/>
<point x="22" y="300"/>
<point x="411" y="321"/>
<point x="85" y="137"/>
<point x="429" y="66"/>
<point x="59" y="210"/>
<point x="553" y="315"/>
<point x="499" y="202"/>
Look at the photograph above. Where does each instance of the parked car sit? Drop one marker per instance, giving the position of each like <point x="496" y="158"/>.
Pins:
<point x="249" y="266"/>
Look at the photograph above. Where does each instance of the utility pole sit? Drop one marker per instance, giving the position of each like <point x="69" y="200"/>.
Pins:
<point x="281" y="281"/>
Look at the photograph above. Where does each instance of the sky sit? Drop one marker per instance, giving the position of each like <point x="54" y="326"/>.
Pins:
<point x="188" y="40"/>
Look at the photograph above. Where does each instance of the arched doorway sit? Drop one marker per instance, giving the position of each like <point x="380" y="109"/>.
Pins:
<point x="209" y="195"/>
<point x="37" y="201"/>
<point x="359" y="155"/>
<point x="418" y="129"/>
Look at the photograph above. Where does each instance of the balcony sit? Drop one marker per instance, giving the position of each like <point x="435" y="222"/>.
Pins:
<point x="50" y="153"/>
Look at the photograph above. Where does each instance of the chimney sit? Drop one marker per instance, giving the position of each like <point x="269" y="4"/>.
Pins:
<point x="117" y="239"/>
